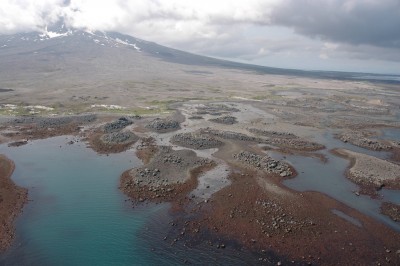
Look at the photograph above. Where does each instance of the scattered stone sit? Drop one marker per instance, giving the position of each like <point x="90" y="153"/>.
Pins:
<point x="216" y="109"/>
<point x="163" y="125"/>
<point x="196" y="117"/>
<point x="52" y="122"/>
<point x="392" y="210"/>
<point x="195" y="141"/>
<point x="370" y="171"/>
<point x="18" y="143"/>
<point x="114" y="126"/>
<point x="119" y="137"/>
<point x="264" y="163"/>
<point x="295" y="144"/>
<point x="230" y="135"/>
<point x="359" y="139"/>
<point x="272" y="134"/>
<point x="168" y="166"/>
<point x="227" y="120"/>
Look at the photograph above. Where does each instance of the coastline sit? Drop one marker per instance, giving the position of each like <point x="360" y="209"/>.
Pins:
<point x="255" y="209"/>
<point x="297" y="225"/>
<point x="260" y="214"/>
<point x="370" y="173"/>
<point x="13" y="199"/>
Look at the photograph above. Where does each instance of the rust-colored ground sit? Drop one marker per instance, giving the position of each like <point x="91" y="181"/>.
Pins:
<point x="300" y="226"/>
<point x="12" y="199"/>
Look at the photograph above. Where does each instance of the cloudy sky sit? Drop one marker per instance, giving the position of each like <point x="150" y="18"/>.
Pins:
<point x="349" y="35"/>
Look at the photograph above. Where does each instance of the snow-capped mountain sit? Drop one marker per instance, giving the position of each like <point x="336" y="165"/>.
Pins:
<point x="75" y="66"/>
<point x="59" y="40"/>
<point x="58" y="57"/>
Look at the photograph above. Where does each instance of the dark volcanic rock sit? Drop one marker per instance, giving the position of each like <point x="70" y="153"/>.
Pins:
<point x="168" y="166"/>
<point x="44" y="122"/>
<point x="215" y="109"/>
<point x="230" y="135"/>
<point x="117" y="125"/>
<point x="18" y="143"/>
<point x="265" y="163"/>
<point x="196" y="117"/>
<point x="359" y="139"/>
<point x="392" y="210"/>
<point x="295" y="144"/>
<point x="227" y="120"/>
<point x="273" y="134"/>
<point x="119" y="137"/>
<point x="195" y="141"/>
<point x="163" y="125"/>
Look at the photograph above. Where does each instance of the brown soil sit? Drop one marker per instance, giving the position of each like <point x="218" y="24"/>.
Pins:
<point x="396" y="154"/>
<point x="102" y="147"/>
<point x="298" y="225"/>
<point x="12" y="199"/>
<point x="171" y="191"/>
<point x="267" y="218"/>
<point x="392" y="210"/>
<point x="174" y="193"/>
<point x="32" y="132"/>
<point x="146" y="149"/>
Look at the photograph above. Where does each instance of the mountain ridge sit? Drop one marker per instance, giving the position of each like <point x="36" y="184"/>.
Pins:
<point x="59" y="31"/>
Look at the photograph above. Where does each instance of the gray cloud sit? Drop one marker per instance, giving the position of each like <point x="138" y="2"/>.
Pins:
<point x="234" y="29"/>
<point x="351" y="21"/>
<point x="372" y="22"/>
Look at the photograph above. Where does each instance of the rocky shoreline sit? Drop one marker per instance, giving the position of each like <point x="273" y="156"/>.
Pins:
<point x="391" y="210"/>
<point x="166" y="176"/>
<point x="19" y="131"/>
<point x="274" y="218"/>
<point x="361" y="140"/>
<point x="12" y="200"/>
<point x="369" y="172"/>
<point x="253" y="208"/>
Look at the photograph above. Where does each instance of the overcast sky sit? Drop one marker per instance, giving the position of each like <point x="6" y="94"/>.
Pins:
<point x="348" y="35"/>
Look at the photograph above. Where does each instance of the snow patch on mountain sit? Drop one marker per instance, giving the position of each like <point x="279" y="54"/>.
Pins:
<point x="46" y="34"/>
<point x="127" y="43"/>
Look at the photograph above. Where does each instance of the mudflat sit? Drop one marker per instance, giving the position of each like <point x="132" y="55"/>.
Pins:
<point x="12" y="199"/>
<point x="222" y="163"/>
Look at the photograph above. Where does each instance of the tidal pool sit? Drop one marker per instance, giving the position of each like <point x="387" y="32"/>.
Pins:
<point x="329" y="178"/>
<point x="391" y="134"/>
<point x="78" y="216"/>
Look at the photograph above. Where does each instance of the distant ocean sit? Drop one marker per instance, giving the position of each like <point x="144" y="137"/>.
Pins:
<point x="379" y="77"/>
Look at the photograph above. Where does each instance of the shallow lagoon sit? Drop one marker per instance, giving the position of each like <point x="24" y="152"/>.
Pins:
<point x="329" y="178"/>
<point x="78" y="216"/>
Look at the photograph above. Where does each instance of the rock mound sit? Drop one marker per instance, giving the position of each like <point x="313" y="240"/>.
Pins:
<point x="272" y="134"/>
<point x="163" y="125"/>
<point x="195" y="141"/>
<point x="119" y="137"/>
<point x="121" y="123"/>
<point x="264" y="163"/>
<point x="227" y="120"/>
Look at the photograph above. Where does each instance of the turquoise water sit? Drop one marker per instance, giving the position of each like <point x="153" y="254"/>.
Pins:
<point x="75" y="199"/>
<point x="78" y="216"/>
